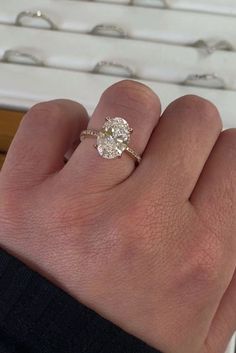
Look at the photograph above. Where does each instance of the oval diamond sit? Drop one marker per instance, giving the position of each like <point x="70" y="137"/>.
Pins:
<point x="113" y="138"/>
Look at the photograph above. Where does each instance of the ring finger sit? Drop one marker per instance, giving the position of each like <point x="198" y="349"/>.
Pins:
<point x="140" y="107"/>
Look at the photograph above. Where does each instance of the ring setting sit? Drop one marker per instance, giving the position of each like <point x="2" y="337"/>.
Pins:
<point x="113" y="139"/>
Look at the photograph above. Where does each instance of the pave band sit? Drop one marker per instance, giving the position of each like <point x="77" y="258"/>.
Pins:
<point x="88" y="133"/>
<point x="112" y="139"/>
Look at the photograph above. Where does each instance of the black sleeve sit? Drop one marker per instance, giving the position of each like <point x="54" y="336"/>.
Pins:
<point x="37" y="317"/>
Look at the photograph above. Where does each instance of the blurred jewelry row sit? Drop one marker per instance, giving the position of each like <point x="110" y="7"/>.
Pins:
<point x="114" y="30"/>
<point x="95" y="43"/>
<point x="210" y="80"/>
<point x="225" y="7"/>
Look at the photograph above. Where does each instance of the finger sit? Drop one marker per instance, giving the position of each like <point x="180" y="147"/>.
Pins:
<point x="214" y="197"/>
<point x="214" y="200"/>
<point x="45" y="134"/>
<point x="224" y="323"/>
<point x="179" y="148"/>
<point x="140" y="107"/>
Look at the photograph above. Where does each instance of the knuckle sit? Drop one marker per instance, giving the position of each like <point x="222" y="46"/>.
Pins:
<point x="144" y="235"/>
<point x="12" y="209"/>
<point x="132" y="95"/>
<point x="205" y="111"/>
<point x="204" y="265"/>
<point x="81" y="214"/>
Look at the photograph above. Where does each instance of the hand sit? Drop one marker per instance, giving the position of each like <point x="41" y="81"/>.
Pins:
<point x="150" y="248"/>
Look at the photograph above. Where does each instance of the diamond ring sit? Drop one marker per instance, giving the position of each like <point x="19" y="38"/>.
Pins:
<point x="112" y="139"/>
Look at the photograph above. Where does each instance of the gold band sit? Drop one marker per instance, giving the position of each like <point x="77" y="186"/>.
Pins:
<point x="94" y="133"/>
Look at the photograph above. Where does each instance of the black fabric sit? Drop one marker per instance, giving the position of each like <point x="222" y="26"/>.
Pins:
<point x="37" y="317"/>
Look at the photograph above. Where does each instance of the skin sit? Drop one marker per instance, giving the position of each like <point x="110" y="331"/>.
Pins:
<point x="150" y="248"/>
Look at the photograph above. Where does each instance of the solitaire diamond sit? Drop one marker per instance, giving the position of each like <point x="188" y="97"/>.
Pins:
<point x="113" y="138"/>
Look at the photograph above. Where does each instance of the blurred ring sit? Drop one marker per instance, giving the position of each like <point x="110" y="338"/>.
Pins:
<point x="98" y="29"/>
<point x="211" y="48"/>
<point x="164" y="2"/>
<point x="213" y="80"/>
<point x="10" y="54"/>
<point x="37" y="14"/>
<point x="105" y="63"/>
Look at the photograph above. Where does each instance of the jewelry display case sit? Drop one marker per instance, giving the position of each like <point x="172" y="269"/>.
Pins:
<point x="75" y="49"/>
<point x="177" y="47"/>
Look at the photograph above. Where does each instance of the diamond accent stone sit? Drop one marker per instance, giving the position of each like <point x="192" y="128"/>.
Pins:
<point x="113" y="138"/>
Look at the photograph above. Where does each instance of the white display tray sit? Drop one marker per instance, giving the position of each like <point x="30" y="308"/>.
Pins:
<point x="23" y="85"/>
<point x="163" y="25"/>
<point x="148" y="60"/>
